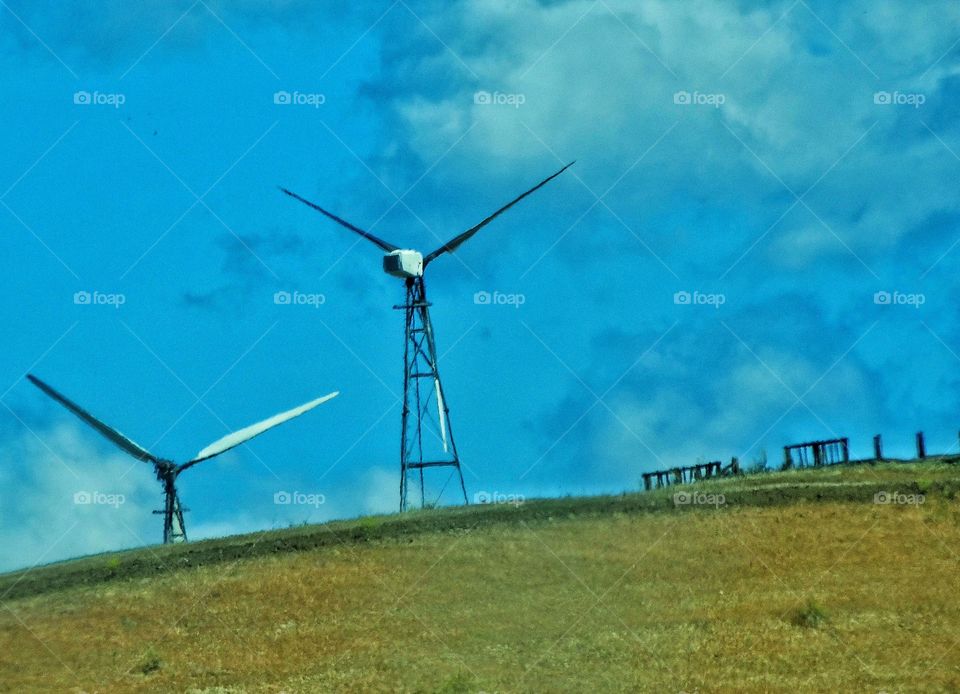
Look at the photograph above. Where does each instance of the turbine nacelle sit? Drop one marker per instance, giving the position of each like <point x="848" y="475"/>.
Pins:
<point x="403" y="263"/>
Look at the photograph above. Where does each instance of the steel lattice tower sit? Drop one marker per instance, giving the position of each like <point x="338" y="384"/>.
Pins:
<point x="421" y="431"/>
<point x="172" y="512"/>
<point x="419" y="440"/>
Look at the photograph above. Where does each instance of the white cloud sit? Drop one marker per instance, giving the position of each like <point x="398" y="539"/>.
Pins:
<point x="381" y="491"/>
<point x="594" y="91"/>
<point x="42" y="521"/>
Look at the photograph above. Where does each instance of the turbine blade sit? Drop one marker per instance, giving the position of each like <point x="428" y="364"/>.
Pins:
<point x="178" y="533"/>
<point x="236" y="438"/>
<point x="388" y="247"/>
<point x="443" y="425"/>
<point x="456" y="241"/>
<point x="134" y="449"/>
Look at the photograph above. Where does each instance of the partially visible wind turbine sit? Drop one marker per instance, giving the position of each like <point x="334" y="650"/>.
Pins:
<point x="420" y="354"/>
<point x="167" y="470"/>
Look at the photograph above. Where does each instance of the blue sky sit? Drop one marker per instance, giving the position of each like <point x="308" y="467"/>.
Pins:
<point x="780" y="162"/>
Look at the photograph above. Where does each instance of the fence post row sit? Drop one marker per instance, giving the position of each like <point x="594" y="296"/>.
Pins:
<point x="828" y="452"/>
<point x="823" y="453"/>
<point x="689" y="473"/>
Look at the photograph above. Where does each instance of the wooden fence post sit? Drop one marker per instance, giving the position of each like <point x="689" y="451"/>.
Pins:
<point x="877" y="447"/>
<point x="787" y="460"/>
<point x="921" y="448"/>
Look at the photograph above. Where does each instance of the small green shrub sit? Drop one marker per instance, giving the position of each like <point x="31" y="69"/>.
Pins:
<point x="150" y="663"/>
<point x="811" y="616"/>
<point x="458" y="684"/>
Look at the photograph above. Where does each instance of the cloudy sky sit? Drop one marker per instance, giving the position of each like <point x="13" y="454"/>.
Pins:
<point x="756" y="246"/>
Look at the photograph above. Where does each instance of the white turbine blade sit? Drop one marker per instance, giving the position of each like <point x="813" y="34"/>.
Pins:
<point x="127" y="444"/>
<point x="236" y="438"/>
<point x="385" y="245"/>
<point x="454" y="243"/>
<point x="443" y="424"/>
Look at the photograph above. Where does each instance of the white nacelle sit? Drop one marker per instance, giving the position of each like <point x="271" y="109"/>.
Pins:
<point x="403" y="263"/>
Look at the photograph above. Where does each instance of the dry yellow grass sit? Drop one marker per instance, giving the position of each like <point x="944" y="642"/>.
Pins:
<point x="696" y="601"/>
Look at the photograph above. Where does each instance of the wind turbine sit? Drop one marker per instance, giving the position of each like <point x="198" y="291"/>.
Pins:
<point x="420" y="352"/>
<point x="167" y="471"/>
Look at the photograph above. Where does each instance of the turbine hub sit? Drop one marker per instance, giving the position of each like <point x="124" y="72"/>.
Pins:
<point x="164" y="468"/>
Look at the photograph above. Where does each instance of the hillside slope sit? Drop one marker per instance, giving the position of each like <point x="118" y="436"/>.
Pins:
<point x="795" y="580"/>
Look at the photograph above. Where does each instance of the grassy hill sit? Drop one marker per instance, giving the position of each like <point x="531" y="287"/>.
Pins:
<point x="774" y="582"/>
